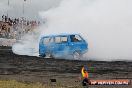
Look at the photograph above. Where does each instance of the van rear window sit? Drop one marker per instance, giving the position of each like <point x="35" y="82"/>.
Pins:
<point x="47" y="40"/>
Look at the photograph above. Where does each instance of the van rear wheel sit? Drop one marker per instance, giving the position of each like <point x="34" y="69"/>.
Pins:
<point x="42" y="55"/>
<point x="77" y="55"/>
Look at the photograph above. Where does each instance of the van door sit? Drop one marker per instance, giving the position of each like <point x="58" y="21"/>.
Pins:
<point x="46" y="43"/>
<point x="76" y="42"/>
<point x="61" y="44"/>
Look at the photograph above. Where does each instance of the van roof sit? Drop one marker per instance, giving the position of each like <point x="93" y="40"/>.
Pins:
<point x="61" y="34"/>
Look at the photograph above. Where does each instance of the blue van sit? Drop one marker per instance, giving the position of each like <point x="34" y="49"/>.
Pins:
<point x="63" y="45"/>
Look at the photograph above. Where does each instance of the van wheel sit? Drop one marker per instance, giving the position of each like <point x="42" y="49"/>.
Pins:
<point x="42" y="55"/>
<point x="49" y="55"/>
<point x="77" y="55"/>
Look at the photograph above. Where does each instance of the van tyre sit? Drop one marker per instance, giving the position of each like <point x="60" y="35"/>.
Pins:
<point x="42" y="55"/>
<point x="47" y="55"/>
<point x="77" y="55"/>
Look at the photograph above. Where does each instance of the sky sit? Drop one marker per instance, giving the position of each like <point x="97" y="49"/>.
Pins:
<point x="31" y="7"/>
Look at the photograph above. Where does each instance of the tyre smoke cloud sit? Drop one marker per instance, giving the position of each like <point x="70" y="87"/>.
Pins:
<point x="105" y="24"/>
<point x="4" y="8"/>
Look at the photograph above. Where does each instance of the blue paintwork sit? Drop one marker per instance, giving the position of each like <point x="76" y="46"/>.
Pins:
<point x="63" y="48"/>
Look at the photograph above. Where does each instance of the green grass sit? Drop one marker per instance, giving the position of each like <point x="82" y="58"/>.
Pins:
<point x="16" y="84"/>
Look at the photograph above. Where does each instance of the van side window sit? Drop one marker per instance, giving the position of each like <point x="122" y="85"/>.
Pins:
<point x="75" y="38"/>
<point x="64" y="39"/>
<point x="57" y="40"/>
<point x="61" y="39"/>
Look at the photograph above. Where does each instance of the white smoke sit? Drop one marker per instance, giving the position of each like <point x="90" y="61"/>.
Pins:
<point x="106" y="24"/>
<point x="4" y="8"/>
<point x="28" y="44"/>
